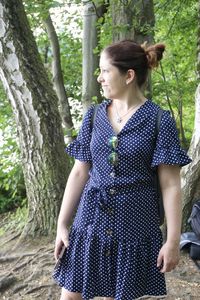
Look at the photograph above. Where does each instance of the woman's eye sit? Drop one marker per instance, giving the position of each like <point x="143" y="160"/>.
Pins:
<point x="103" y="71"/>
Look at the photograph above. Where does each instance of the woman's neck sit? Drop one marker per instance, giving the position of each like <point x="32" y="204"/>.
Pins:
<point x="129" y="100"/>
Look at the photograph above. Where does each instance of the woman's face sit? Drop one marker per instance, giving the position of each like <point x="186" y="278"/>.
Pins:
<point x="112" y="81"/>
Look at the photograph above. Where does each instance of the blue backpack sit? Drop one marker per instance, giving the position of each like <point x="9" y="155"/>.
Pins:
<point x="191" y="240"/>
<point x="194" y="219"/>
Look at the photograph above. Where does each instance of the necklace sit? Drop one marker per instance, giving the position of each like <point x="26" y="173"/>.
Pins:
<point x="119" y="118"/>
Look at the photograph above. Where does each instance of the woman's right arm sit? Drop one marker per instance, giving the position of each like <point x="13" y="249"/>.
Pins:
<point x="74" y="188"/>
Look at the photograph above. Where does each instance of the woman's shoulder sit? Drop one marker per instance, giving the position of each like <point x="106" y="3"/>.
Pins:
<point x="105" y="103"/>
<point x="162" y="116"/>
<point x="156" y="107"/>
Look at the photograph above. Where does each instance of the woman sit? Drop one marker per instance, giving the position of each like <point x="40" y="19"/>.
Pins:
<point x="114" y="248"/>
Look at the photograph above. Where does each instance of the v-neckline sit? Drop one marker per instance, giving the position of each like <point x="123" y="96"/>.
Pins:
<point x="133" y="116"/>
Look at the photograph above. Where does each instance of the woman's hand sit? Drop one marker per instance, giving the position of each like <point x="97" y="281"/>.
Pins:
<point x="168" y="256"/>
<point x="62" y="240"/>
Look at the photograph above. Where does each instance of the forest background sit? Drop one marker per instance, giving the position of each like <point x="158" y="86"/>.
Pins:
<point x="174" y="23"/>
<point x="49" y="52"/>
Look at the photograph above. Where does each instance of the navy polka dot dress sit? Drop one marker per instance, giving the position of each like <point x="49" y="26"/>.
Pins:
<point x="115" y="237"/>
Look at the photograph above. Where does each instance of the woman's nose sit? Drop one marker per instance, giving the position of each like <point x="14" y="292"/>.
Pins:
<point x="99" y="78"/>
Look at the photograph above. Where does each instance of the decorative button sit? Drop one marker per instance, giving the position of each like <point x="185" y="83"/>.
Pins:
<point x="109" y="232"/>
<point x="101" y="204"/>
<point x="112" y="191"/>
<point x="107" y="253"/>
<point x="110" y="211"/>
<point x="112" y="174"/>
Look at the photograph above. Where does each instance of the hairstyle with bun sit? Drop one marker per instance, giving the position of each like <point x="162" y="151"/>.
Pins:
<point x="127" y="54"/>
<point x="154" y="54"/>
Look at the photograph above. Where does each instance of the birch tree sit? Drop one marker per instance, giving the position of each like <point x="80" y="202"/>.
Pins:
<point x="35" y="108"/>
<point x="191" y="173"/>
<point x="90" y="87"/>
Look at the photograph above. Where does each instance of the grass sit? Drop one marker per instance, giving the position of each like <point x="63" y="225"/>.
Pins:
<point x="13" y="220"/>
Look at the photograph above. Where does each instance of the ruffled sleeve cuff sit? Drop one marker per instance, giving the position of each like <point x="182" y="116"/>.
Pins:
<point x="80" y="147"/>
<point x="172" y="156"/>
<point x="79" y="151"/>
<point x="168" y="149"/>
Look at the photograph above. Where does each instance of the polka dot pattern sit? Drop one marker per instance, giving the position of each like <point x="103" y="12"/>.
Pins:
<point x="115" y="237"/>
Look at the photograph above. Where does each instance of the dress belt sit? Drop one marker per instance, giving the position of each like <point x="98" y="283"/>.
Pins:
<point x="102" y="194"/>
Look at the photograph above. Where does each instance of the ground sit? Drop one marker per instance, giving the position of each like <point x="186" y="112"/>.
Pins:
<point x="25" y="272"/>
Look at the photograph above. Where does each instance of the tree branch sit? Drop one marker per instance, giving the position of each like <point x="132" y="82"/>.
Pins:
<point x="166" y="90"/>
<point x="58" y="76"/>
<point x="174" y="18"/>
<point x="180" y="108"/>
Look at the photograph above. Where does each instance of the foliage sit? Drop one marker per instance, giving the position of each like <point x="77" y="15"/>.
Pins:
<point x="105" y="25"/>
<point x="175" y="82"/>
<point x="14" y="220"/>
<point x="67" y="20"/>
<point x="12" y="189"/>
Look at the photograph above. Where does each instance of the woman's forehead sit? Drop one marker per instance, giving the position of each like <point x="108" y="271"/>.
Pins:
<point x="104" y="59"/>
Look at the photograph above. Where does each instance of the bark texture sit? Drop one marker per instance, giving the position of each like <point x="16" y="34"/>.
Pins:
<point x="38" y="122"/>
<point x="58" y="77"/>
<point x="90" y="87"/>
<point x="190" y="174"/>
<point x="134" y="19"/>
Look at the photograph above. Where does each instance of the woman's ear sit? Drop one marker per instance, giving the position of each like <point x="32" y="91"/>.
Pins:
<point x="130" y="76"/>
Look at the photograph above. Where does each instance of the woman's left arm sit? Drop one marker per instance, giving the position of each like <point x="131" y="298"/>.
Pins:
<point x="169" y="177"/>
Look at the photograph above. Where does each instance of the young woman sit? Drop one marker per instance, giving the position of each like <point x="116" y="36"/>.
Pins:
<point x="114" y="248"/>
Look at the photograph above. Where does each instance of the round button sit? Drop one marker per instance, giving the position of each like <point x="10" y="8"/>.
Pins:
<point x="109" y="232"/>
<point x="110" y="211"/>
<point x="107" y="253"/>
<point x="101" y="204"/>
<point x="112" y="191"/>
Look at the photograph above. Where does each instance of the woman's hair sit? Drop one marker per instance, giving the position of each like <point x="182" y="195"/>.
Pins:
<point x="127" y="54"/>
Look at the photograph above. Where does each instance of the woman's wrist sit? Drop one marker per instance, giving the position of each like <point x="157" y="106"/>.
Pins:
<point x="174" y="234"/>
<point x="62" y="224"/>
<point x="173" y="241"/>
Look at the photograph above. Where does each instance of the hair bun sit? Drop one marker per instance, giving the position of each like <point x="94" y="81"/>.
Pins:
<point x="154" y="54"/>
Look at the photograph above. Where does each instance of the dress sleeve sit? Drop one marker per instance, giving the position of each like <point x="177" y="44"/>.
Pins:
<point x="168" y="150"/>
<point x="80" y="147"/>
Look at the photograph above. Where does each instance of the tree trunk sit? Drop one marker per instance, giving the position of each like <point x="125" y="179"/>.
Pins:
<point x="90" y="87"/>
<point x="191" y="173"/>
<point x="135" y="20"/>
<point x="38" y="122"/>
<point x="58" y="77"/>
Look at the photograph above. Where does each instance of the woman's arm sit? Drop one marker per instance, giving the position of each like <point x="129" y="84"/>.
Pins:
<point x="169" y="177"/>
<point x="74" y="188"/>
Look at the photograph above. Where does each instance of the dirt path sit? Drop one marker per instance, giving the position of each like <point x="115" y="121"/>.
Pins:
<point x="25" y="273"/>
